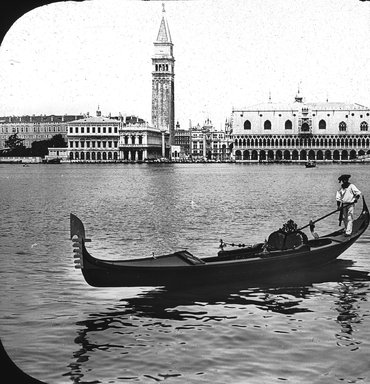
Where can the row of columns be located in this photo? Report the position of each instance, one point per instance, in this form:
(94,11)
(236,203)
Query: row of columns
(285,154)
(131,155)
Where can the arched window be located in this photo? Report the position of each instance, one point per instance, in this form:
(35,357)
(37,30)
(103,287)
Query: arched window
(327,155)
(364,126)
(267,124)
(342,126)
(305,127)
(288,124)
(247,124)
(322,124)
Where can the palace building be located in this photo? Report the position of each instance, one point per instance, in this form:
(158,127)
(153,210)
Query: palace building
(107,139)
(34,128)
(207,143)
(300,131)
(94,138)
(140,142)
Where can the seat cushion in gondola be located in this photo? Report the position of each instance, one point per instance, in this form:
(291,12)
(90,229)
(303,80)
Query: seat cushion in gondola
(189,258)
(281,240)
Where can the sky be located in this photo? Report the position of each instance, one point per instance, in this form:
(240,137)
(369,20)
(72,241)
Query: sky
(71,57)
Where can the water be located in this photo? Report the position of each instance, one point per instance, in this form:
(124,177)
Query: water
(56,328)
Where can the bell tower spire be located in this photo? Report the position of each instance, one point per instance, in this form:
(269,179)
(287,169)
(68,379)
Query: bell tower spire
(163,76)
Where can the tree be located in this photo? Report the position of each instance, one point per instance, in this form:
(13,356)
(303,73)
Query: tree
(40,148)
(58,141)
(14,146)
(13,142)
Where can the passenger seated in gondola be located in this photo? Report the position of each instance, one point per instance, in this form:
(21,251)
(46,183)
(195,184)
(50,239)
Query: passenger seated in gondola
(287,237)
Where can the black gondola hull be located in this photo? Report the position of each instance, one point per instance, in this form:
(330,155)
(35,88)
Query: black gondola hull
(232,271)
(183,269)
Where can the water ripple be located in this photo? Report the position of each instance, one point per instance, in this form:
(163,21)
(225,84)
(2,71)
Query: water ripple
(306,328)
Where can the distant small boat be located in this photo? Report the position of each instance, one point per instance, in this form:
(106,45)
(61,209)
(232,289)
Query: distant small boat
(52,161)
(311,164)
(283,252)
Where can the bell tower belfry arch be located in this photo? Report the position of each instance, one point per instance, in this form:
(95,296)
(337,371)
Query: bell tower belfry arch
(163,75)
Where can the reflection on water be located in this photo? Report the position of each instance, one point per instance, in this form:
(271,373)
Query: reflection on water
(128,327)
(348,306)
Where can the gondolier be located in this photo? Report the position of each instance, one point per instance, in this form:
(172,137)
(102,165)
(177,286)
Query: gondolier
(346,197)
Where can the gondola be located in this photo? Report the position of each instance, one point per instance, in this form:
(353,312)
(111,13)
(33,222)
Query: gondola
(286,250)
(310,164)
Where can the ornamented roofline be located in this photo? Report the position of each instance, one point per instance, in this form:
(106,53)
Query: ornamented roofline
(295,107)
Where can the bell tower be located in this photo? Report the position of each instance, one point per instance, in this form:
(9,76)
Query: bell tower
(163,75)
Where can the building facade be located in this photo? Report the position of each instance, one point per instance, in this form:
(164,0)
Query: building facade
(207,143)
(182,140)
(117,139)
(163,81)
(93,138)
(141,142)
(300,131)
(34,128)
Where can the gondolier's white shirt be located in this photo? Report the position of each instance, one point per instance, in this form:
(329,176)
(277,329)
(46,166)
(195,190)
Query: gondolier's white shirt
(347,195)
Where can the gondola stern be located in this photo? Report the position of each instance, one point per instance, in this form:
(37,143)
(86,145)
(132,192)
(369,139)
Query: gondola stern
(365,209)
(364,216)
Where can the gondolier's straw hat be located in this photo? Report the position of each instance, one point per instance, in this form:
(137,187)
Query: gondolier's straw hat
(343,178)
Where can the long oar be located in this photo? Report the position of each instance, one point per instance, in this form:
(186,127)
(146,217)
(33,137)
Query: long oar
(312,222)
